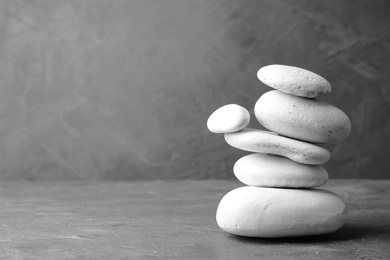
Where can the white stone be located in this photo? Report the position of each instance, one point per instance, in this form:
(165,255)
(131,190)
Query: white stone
(305,119)
(253,140)
(272,212)
(294,80)
(266,170)
(229,118)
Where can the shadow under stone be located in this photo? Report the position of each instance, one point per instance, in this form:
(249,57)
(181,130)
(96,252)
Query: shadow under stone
(347,232)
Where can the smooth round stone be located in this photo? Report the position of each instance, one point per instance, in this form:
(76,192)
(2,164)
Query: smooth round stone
(294,80)
(229,118)
(272,212)
(266,170)
(253,140)
(305,119)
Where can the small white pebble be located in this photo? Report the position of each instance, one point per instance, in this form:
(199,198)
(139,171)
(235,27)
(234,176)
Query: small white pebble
(227,119)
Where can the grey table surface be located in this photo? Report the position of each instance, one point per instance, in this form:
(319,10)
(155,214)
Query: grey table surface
(172,220)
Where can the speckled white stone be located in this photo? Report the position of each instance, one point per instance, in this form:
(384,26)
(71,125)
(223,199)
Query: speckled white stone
(294,80)
(266,170)
(259,141)
(305,119)
(229,118)
(272,212)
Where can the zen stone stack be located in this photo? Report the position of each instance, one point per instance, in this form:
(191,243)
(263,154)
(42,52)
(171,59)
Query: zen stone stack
(283,171)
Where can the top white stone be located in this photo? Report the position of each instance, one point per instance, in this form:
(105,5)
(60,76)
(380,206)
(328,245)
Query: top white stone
(294,80)
(227,119)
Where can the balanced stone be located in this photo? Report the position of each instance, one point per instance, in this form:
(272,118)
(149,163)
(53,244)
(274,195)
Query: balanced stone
(293,80)
(259,141)
(273,212)
(266,170)
(305,119)
(229,118)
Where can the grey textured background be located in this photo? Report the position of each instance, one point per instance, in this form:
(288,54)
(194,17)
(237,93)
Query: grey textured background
(99,89)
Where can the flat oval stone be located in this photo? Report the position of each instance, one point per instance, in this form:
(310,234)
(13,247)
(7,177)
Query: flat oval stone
(266,170)
(229,118)
(259,141)
(305,119)
(294,80)
(272,212)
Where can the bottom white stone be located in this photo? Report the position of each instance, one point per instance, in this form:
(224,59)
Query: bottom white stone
(273,212)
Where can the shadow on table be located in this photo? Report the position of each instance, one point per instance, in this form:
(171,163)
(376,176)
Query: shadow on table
(347,232)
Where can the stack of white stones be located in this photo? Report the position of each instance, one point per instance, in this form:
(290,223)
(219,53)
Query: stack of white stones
(282,172)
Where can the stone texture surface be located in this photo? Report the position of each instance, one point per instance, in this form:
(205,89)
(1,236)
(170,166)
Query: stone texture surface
(101,90)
